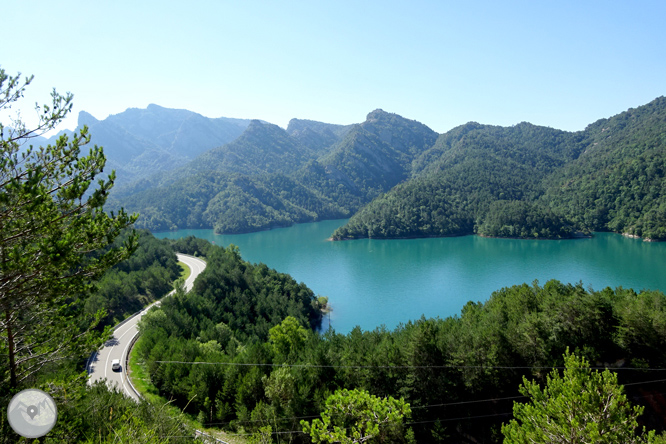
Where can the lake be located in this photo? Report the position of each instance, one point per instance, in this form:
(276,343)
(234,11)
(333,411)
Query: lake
(371,282)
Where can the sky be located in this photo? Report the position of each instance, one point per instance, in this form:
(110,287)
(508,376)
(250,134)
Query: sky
(560,64)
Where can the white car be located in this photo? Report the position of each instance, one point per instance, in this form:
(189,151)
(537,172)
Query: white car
(115,365)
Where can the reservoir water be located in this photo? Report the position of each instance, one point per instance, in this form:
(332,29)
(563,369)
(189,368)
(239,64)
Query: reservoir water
(372,282)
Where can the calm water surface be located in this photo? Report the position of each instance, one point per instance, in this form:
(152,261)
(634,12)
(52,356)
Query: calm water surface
(372,282)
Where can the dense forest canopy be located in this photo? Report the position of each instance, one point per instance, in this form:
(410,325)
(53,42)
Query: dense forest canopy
(267,367)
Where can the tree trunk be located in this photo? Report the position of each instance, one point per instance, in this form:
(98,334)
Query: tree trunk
(10,343)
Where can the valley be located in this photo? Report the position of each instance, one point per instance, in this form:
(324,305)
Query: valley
(402,223)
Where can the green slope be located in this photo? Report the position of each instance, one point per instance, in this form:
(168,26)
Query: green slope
(456,182)
(530,181)
(270,177)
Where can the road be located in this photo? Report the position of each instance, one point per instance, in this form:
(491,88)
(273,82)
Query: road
(99,365)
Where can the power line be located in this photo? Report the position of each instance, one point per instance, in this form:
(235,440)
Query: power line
(458,419)
(447,404)
(397,367)
(285,432)
(468,402)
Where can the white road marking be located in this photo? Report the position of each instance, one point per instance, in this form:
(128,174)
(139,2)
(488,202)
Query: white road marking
(196,266)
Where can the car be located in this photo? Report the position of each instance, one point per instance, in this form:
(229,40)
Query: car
(115,365)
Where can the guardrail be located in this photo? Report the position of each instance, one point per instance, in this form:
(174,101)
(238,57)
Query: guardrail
(115,327)
(197,433)
(127,358)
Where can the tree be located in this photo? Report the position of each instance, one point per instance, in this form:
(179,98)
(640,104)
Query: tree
(581,406)
(54,238)
(287,337)
(356,416)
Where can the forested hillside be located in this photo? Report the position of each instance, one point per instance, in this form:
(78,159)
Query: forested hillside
(528,181)
(132,284)
(270,177)
(456,182)
(460,375)
(619,181)
(398,178)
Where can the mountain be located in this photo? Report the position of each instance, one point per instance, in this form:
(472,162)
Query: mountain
(141,142)
(262,148)
(454,183)
(396,177)
(271,177)
(530,181)
(618,183)
(377,154)
(318,136)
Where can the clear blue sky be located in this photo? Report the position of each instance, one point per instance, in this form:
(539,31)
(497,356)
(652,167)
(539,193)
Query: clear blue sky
(562,64)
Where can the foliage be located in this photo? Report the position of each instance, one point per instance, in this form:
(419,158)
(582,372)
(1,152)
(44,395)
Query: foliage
(97,414)
(271,178)
(231,312)
(581,405)
(53,238)
(618,182)
(355,416)
(438,366)
(287,337)
(130,285)
(608,177)
(516,218)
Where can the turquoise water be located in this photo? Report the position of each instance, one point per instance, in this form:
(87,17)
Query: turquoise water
(372,282)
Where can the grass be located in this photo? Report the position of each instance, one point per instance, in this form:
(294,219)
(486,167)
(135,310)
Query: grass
(139,376)
(185,270)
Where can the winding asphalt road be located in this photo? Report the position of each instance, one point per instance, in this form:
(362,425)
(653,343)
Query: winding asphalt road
(118,347)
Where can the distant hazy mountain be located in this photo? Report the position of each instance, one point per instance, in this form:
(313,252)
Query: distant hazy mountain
(317,136)
(141,142)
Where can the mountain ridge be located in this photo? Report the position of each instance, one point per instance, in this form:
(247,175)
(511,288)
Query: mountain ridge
(398,178)
(140,142)
(531,182)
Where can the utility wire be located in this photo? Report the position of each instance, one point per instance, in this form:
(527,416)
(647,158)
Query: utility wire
(447,404)
(395,367)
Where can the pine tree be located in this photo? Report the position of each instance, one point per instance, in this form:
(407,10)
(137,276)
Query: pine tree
(54,238)
(580,406)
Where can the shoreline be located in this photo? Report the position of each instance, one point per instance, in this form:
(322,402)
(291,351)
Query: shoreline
(573,237)
(635,236)
(577,235)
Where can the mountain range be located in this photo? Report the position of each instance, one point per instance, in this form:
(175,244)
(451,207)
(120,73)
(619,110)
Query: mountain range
(396,178)
(141,142)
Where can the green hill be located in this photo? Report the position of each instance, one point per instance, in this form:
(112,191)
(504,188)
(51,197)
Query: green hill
(396,177)
(456,183)
(270,177)
(618,182)
(530,181)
